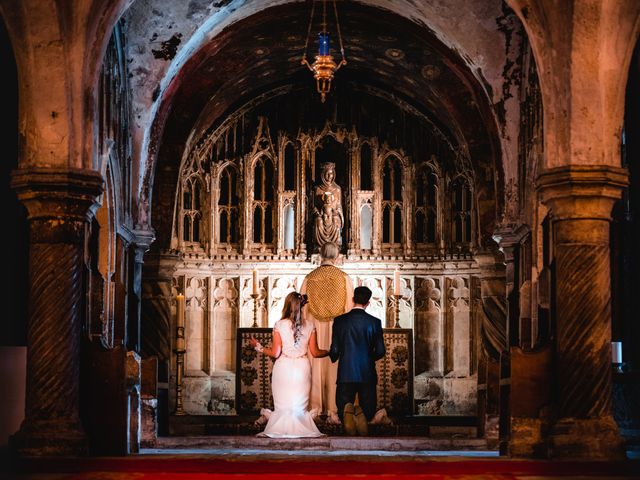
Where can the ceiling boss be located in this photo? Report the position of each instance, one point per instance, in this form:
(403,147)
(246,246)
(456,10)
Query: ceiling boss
(324,67)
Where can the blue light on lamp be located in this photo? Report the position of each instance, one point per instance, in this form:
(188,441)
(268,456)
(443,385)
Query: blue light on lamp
(323,43)
(324,66)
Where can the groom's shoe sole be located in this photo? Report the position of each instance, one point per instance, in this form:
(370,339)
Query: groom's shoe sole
(348,420)
(361,422)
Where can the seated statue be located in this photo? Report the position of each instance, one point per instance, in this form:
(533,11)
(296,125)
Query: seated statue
(327,211)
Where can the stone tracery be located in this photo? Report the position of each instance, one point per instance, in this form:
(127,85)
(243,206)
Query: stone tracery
(276,191)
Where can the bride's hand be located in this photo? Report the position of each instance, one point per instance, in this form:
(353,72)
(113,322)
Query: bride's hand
(257,346)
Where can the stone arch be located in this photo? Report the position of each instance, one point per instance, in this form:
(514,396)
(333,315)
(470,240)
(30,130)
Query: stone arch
(67,105)
(172,84)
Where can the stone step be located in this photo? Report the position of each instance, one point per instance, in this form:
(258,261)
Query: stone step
(417,426)
(329,443)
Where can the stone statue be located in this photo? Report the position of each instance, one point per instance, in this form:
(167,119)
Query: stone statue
(327,211)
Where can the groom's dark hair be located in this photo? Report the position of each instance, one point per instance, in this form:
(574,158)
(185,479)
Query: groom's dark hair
(361,295)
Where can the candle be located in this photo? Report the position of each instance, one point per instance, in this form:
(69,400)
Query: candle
(323,43)
(396,282)
(616,352)
(255,281)
(180,310)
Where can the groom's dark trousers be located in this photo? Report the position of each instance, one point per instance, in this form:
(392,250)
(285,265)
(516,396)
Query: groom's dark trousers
(357,342)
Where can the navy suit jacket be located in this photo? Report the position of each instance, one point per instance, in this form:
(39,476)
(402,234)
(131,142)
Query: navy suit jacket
(358,342)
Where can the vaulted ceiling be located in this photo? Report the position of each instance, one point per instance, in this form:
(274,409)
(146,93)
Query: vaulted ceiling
(383,50)
(412,64)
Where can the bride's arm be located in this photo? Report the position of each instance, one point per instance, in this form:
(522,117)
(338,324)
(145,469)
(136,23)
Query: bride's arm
(276,345)
(313,347)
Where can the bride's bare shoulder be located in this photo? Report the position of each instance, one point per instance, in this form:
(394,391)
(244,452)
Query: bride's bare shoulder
(282,323)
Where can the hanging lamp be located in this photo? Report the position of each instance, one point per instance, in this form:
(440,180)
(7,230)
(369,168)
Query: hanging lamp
(324,67)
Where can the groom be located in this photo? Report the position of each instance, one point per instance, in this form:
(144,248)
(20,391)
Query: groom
(358,342)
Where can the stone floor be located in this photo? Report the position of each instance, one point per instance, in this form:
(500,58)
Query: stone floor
(269,464)
(416,426)
(325,444)
(243,456)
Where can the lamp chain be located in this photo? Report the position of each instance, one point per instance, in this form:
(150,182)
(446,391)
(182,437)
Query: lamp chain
(306,42)
(335,12)
(324,15)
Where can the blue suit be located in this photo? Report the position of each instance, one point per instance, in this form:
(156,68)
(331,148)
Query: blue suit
(357,342)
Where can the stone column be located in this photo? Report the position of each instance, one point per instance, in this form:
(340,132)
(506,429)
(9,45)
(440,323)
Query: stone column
(492,313)
(142,240)
(581,199)
(156,316)
(58,202)
(509,239)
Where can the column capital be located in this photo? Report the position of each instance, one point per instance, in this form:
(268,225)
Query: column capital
(140,239)
(582,191)
(161,266)
(508,236)
(143,238)
(489,261)
(51,193)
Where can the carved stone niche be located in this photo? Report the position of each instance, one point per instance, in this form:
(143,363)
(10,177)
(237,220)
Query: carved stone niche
(444,383)
(197,332)
(276,196)
(429,332)
(247,302)
(225,314)
(406,302)
(457,327)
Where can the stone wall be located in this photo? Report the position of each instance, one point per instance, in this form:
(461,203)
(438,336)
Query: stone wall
(436,305)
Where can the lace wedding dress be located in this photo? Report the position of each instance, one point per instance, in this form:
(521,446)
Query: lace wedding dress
(290,385)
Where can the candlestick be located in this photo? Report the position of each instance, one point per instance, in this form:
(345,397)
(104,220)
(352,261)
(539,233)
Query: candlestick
(396,308)
(180,310)
(255,281)
(179,373)
(180,350)
(396,282)
(255,309)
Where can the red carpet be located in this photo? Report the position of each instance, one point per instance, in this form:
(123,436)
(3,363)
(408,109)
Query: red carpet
(256,466)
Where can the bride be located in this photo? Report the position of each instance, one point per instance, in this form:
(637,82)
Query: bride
(291,378)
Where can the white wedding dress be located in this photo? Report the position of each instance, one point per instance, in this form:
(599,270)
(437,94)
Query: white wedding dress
(290,385)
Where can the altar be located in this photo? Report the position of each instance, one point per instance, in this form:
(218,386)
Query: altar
(394,392)
(255,201)
(429,368)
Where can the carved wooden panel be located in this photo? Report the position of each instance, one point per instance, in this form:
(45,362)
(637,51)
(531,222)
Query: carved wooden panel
(253,373)
(395,372)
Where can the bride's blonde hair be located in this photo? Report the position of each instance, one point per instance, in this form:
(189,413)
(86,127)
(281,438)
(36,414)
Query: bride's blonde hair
(292,310)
